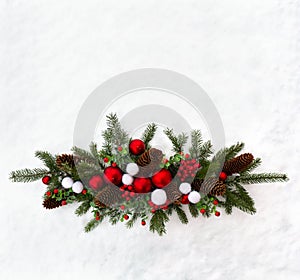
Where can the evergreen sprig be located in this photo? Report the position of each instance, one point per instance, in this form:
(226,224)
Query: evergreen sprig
(83,208)
(233,150)
(149,133)
(48,159)
(158,221)
(262,178)
(181,214)
(177,141)
(28,175)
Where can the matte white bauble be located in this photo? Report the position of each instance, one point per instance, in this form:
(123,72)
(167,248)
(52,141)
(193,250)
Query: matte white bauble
(67,182)
(194,197)
(185,188)
(127,179)
(132,168)
(159,197)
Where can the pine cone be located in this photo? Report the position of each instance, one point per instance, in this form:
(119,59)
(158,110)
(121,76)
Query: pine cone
(51,203)
(149,162)
(65,160)
(173,192)
(237,164)
(213,186)
(109,195)
(196,184)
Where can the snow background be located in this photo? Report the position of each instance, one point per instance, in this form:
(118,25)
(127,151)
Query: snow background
(245,54)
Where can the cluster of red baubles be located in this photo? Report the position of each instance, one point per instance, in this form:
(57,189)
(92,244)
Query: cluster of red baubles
(188,168)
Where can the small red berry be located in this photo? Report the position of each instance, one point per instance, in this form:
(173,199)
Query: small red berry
(165,207)
(143,223)
(84,191)
(122,207)
(48,193)
(114,164)
(202,211)
(64,202)
(217,213)
(130,188)
(97,218)
(126,217)
(187,156)
(153,210)
(106,160)
(185,199)
(120,149)
(132,194)
(55,191)
(223,176)
(215,202)
(46,180)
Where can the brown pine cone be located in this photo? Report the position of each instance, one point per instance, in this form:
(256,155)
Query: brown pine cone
(237,164)
(196,184)
(108,195)
(65,160)
(51,203)
(173,192)
(149,162)
(213,186)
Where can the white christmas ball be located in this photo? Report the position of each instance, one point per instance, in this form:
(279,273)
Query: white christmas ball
(194,197)
(185,188)
(159,197)
(127,179)
(67,182)
(77,187)
(132,168)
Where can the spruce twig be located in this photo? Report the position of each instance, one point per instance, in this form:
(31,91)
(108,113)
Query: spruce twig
(262,178)
(149,134)
(177,141)
(157,222)
(28,175)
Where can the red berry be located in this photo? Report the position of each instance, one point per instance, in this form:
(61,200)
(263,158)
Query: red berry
(122,207)
(223,176)
(153,210)
(55,191)
(217,213)
(106,160)
(97,218)
(187,156)
(127,198)
(202,211)
(215,202)
(64,202)
(120,149)
(84,191)
(143,223)
(137,147)
(130,188)
(46,180)
(165,207)
(162,178)
(126,217)
(185,199)
(132,194)
(96,182)
(48,193)
(114,164)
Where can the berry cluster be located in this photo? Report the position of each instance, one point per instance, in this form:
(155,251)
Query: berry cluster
(128,192)
(188,168)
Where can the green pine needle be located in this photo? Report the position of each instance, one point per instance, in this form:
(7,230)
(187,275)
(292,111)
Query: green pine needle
(149,134)
(28,175)
(157,222)
(262,178)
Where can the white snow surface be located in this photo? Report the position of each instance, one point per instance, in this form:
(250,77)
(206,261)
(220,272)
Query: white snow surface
(245,54)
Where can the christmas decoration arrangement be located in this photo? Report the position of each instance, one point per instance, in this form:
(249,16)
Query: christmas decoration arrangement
(127,180)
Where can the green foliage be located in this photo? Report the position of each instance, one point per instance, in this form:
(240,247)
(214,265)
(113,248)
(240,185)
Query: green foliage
(194,210)
(196,141)
(48,159)
(92,224)
(262,178)
(28,175)
(177,141)
(233,150)
(158,221)
(83,208)
(132,220)
(253,165)
(149,134)
(181,214)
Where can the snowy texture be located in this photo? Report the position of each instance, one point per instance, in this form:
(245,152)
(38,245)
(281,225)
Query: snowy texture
(245,54)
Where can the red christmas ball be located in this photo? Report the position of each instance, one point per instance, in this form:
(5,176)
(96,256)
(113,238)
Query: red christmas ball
(162,178)
(106,160)
(137,147)
(96,182)
(185,199)
(126,217)
(84,191)
(217,213)
(46,180)
(113,175)
(142,185)
(223,176)
(143,223)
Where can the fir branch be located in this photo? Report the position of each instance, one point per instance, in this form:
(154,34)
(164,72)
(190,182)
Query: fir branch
(177,141)
(132,220)
(48,159)
(114,216)
(262,178)
(253,165)
(83,208)
(194,210)
(83,154)
(205,151)
(28,175)
(149,134)
(92,224)
(232,151)
(196,142)
(181,214)
(157,222)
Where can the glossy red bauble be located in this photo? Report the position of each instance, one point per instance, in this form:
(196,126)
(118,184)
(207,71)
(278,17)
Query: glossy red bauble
(96,182)
(162,178)
(142,185)
(113,174)
(137,147)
